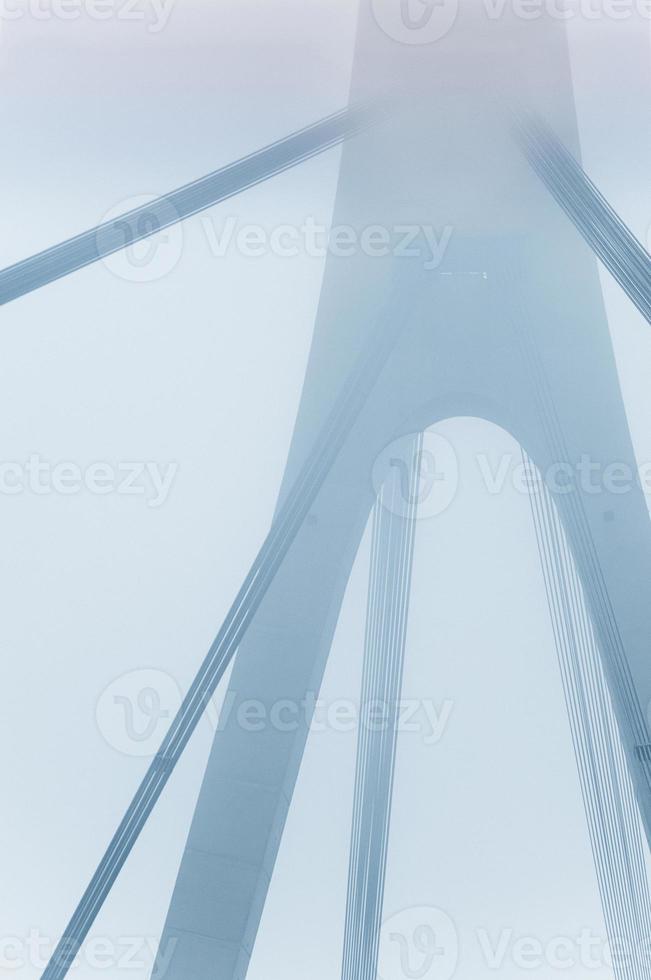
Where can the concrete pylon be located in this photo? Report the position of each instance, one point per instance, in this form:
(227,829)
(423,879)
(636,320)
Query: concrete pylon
(510,327)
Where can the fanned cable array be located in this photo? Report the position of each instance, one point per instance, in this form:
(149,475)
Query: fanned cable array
(610,805)
(143,222)
(579,532)
(585,625)
(602,228)
(392,549)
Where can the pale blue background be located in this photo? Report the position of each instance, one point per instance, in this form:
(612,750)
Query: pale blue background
(205,368)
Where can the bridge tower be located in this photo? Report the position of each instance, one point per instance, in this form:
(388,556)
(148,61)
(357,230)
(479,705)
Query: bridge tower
(510,327)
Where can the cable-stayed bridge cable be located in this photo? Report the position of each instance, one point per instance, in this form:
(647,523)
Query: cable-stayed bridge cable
(601,227)
(392,548)
(611,810)
(578,528)
(76,253)
(287,523)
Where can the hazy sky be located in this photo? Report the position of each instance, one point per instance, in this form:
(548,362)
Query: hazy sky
(99,369)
